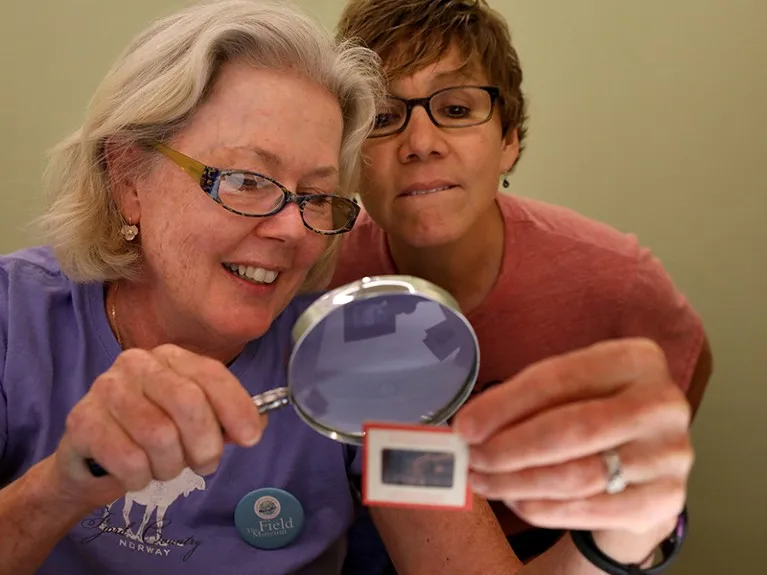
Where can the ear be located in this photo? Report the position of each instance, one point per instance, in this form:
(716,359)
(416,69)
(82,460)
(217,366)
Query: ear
(510,151)
(120,166)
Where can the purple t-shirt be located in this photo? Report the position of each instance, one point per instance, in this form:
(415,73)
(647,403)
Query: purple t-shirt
(55,340)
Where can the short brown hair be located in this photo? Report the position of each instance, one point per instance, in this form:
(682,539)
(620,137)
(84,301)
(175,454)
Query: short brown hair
(411,34)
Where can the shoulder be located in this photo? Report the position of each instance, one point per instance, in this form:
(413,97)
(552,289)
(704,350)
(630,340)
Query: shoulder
(602,265)
(557,255)
(30,277)
(38,259)
(31,264)
(559,251)
(34,292)
(563,227)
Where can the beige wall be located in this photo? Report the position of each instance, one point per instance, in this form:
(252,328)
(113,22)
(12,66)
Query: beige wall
(649,115)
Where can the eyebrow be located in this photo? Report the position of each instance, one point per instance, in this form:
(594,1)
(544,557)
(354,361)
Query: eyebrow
(273,161)
(462,73)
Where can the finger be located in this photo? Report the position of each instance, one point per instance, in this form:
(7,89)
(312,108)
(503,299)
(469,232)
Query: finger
(231,402)
(581,429)
(638,509)
(187,405)
(92,432)
(642,462)
(143,421)
(595,371)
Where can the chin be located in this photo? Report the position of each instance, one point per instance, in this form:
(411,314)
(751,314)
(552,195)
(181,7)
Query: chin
(244,325)
(430,234)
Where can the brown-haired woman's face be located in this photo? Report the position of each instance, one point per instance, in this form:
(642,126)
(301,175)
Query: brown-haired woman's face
(196,252)
(429,185)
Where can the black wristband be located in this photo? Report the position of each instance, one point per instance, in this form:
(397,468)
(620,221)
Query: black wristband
(584,542)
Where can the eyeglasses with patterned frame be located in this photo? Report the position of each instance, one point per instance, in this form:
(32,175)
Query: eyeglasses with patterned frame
(251,194)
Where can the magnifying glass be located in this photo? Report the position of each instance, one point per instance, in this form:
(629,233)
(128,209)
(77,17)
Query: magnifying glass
(385,348)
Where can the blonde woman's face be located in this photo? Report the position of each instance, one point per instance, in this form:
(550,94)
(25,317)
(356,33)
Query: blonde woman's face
(273,123)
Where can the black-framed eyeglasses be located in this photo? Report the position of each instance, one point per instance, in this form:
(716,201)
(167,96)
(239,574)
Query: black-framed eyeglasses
(255,195)
(453,107)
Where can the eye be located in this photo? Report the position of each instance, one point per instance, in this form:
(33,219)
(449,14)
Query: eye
(390,115)
(245,182)
(319,202)
(455,111)
(386,119)
(462,105)
(254,183)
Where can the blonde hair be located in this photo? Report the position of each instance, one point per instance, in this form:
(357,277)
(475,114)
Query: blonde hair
(156,86)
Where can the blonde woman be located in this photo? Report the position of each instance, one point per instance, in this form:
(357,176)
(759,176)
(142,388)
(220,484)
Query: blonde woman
(205,190)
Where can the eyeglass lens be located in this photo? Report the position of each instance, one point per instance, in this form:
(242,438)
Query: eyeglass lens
(453,107)
(254,195)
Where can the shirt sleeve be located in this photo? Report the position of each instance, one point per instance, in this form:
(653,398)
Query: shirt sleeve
(3,347)
(655,309)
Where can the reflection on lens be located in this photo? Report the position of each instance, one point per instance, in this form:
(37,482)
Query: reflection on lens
(397,358)
(248,193)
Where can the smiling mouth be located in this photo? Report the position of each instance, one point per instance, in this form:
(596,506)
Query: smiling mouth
(258,276)
(426,192)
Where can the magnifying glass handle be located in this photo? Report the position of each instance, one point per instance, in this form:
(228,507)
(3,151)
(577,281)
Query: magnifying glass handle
(266,402)
(272,399)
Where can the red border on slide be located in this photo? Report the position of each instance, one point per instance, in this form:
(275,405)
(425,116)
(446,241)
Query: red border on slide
(404,427)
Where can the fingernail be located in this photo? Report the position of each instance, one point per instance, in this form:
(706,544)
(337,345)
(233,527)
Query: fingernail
(476,459)
(253,437)
(255,430)
(477,484)
(466,429)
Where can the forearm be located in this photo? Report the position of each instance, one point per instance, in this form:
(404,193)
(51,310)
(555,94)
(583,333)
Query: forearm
(565,559)
(32,521)
(446,542)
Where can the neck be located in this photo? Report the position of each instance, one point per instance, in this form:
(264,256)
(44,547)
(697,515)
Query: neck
(141,321)
(467,267)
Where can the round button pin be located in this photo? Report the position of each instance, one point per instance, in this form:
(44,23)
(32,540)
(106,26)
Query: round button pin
(269,518)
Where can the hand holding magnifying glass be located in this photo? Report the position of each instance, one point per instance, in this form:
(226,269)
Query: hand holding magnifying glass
(389,348)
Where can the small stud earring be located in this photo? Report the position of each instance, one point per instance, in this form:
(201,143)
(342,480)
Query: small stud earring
(129,232)
(506,181)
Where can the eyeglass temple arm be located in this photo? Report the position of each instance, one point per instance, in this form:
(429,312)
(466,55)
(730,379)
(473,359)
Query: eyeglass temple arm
(190,166)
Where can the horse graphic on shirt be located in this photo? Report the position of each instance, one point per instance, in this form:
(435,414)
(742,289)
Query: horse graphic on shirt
(157,496)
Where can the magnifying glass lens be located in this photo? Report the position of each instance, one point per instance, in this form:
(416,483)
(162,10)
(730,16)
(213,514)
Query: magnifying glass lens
(394,357)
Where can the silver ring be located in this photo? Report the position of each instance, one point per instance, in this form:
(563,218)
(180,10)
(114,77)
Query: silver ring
(615,480)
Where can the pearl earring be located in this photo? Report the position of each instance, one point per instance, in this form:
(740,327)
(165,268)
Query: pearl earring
(129,232)
(506,181)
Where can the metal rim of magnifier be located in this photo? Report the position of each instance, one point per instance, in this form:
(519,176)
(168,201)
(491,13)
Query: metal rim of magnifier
(366,288)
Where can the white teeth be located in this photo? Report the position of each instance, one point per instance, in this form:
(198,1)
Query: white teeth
(431,191)
(256,275)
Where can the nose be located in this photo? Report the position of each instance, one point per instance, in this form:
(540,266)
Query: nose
(286,225)
(422,139)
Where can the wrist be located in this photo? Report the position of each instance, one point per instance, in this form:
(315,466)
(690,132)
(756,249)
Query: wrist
(45,488)
(630,547)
